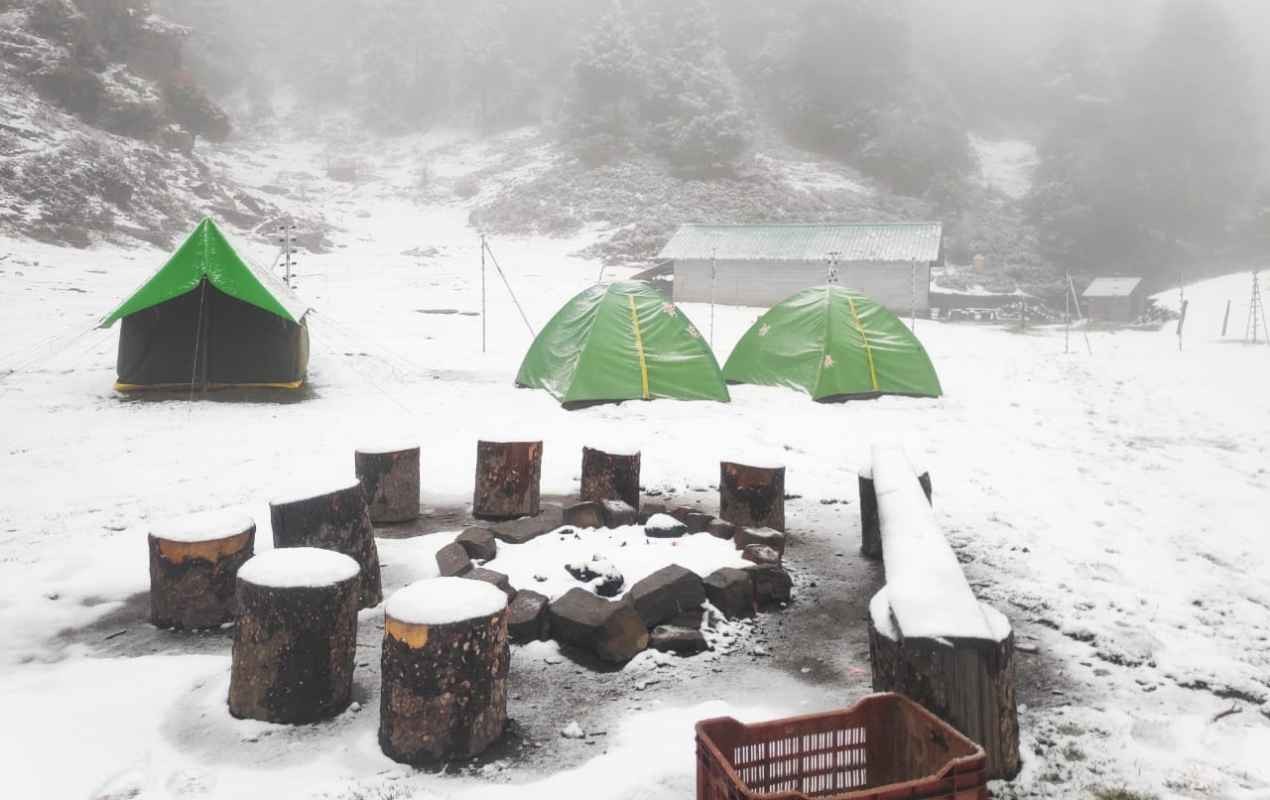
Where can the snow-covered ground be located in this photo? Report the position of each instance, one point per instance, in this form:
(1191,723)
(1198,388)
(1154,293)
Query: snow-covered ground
(1113,505)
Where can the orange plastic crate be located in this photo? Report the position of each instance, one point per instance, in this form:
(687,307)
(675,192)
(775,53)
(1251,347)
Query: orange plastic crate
(885,747)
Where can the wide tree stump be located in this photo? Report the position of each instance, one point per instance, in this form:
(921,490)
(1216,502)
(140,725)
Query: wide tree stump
(752,497)
(193,564)
(445,664)
(508,475)
(390,479)
(968,683)
(870,523)
(296,636)
(610,476)
(333,518)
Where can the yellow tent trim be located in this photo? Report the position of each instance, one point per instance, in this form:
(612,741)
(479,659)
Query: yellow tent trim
(868,351)
(168,387)
(639,346)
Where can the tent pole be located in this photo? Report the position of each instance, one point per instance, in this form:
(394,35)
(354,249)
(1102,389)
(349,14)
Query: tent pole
(482,293)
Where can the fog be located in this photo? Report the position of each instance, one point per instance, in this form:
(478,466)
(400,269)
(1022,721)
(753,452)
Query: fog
(1147,117)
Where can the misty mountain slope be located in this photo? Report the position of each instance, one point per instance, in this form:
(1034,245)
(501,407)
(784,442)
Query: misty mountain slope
(91,147)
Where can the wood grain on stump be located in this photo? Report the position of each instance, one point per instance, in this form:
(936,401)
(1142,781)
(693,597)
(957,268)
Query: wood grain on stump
(968,683)
(870,523)
(193,565)
(390,481)
(610,476)
(508,476)
(444,692)
(296,636)
(752,497)
(333,520)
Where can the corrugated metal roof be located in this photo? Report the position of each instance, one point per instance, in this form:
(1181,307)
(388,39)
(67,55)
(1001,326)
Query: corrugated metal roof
(1111,287)
(911,241)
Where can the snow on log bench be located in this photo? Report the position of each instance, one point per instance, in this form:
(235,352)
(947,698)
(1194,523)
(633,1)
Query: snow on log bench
(508,478)
(332,516)
(752,496)
(296,635)
(610,476)
(929,637)
(193,563)
(445,664)
(870,532)
(389,474)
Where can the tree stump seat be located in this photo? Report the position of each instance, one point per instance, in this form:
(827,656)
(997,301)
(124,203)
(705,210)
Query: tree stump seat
(444,670)
(752,496)
(296,636)
(610,476)
(194,561)
(508,480)
(332,516)
(870,529)
(389,474)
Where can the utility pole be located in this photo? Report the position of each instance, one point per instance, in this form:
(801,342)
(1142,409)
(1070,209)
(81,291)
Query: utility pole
(1067,318)
(831,259)
(286,237)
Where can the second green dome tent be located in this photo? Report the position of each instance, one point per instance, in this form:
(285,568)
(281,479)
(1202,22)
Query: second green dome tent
(834,343)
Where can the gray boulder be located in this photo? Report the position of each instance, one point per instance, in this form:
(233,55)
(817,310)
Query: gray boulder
(698,522)
(731,590)
(674,639)
(766,536)
(760,554)
(664,526)
(493,577)
(453,560)
(479,543)
(612,630)
(587,514)
(668,591)
(525,529)
(618,513)
(527,617)
(772,585)
(721,529)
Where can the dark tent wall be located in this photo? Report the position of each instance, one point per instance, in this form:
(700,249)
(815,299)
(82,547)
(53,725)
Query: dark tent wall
(210,339)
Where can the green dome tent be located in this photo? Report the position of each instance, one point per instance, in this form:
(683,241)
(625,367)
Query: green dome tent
(835,344)
(619,342)
(208,318)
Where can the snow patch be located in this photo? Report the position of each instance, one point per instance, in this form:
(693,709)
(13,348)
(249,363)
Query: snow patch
(203,526)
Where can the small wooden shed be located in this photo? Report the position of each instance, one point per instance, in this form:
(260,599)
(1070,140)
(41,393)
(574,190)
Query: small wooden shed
(761,265)
(1119,299)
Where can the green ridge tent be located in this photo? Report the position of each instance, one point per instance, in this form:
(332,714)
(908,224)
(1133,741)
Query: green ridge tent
(207,318)
(835,344)
(623,341)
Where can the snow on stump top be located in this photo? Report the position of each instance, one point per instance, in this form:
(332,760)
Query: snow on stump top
(202,526)
(295,567)
(928,593)
(386,445)
(308,490)
(444,601)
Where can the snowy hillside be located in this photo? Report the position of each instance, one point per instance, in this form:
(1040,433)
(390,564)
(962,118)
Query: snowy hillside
(1112,505)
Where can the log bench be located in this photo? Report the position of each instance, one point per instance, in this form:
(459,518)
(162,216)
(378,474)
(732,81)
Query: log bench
(929,637)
